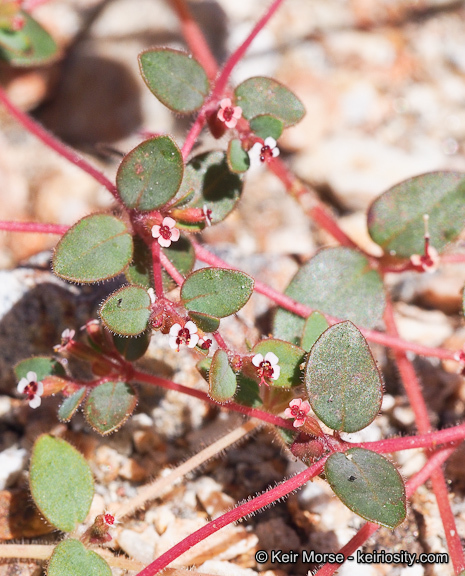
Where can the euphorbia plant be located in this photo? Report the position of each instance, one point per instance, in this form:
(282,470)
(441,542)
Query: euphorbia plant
(314,379)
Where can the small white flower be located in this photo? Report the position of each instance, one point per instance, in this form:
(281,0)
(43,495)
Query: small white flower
(151,294)
(208,215)
(228,113)
(186,335)
(268,367)
(32,389)
(166,233)
(66,336)
(261,153)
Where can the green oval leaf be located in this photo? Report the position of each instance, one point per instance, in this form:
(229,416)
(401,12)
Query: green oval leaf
(369,485)
(109,405)
(30,46)
(395,219)
(71,404)
(314,327)
(290,359)
(150,174)
(205,322)
(248,391)
(127,311)
(61,482)
(71,557)
(96,248)
(338,282)
(176,79)
(209,183)
(132,348)
(237,157)
(257,96)
(344,385)
(266,125)
(43,366)
(221,378)
(139,270)
(216,291)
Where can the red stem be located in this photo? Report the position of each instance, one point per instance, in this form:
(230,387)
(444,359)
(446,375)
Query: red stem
(157,277)
(233,515)
(304,311)
(413,391)
(38,227)
(195,39)
(52,142)
(139,376)
(171,269)
(236,56)
(370,528)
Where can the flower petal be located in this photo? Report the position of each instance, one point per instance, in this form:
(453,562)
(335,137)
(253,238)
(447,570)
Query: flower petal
(237,112)
(257,360)
(225,103)
(231,123)
(167,221)
(22,385)
(156,231)
(298,423)
(275,152)
(175,233)
(40,389)
(288,413)
(35,402)
(174,330)
(173,342)
(194,338)
(191,327)
(296,402)
(305,407)
(165,242)
(271,142)
(271,358)
(276,372)
(31,376)
(220,115)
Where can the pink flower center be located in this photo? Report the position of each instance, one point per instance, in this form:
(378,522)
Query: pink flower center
(265,370)
(183,337)
(165,232)
(297,413)
(31,390)
(109,519)
(265,153)
(228,113)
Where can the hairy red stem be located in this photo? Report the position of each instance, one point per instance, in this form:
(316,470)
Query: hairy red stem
(52,142)
(415,396)
(195,39)
(38,227)
(157,277)
(304,311)
(139,376)
(233,515)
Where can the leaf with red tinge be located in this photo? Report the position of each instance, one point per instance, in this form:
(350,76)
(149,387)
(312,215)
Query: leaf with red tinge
(109,405)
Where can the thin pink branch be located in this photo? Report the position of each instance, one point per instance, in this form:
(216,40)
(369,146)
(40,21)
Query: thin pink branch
(413,390)
(157,277)
(195,39)
(233,515)
(139,376)
(52,142)
(304,311)
(236,56)
(171,269)
(35,227)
